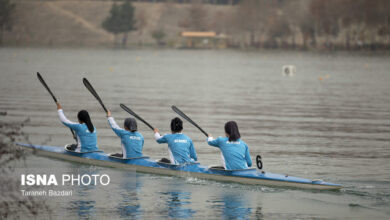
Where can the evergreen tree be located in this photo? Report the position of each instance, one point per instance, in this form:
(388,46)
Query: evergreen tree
(111,23)
(120,20)
(6,9)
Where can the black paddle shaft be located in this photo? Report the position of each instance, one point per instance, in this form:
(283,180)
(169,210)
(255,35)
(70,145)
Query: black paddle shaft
(128,110)
(179,112)
(46,86)
(94,93)
(52,95)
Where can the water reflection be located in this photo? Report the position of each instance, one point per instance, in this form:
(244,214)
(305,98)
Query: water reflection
(130,203)
(177,203)
(234,206)
(83,207)
(259,213)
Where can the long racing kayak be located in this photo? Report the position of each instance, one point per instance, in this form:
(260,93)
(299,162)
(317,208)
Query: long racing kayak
(250,176)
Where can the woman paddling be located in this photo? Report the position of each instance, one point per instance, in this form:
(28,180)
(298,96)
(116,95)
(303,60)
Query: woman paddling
(235,152)
(180,146)
(85,131)
(132,141)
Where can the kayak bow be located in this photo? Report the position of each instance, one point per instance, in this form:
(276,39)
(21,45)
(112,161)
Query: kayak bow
(145,165)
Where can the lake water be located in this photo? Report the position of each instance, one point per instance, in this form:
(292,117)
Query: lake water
(331,120)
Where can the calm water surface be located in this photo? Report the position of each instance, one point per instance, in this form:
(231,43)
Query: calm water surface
(337,128)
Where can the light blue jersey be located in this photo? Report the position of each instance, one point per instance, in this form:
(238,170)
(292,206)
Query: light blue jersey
(235,154)
(87,141)
(132,142)
(180,147)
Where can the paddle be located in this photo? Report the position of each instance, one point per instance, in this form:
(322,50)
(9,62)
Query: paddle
(46,86)
(179,112)
(52,95)
(124,107)
(94,93)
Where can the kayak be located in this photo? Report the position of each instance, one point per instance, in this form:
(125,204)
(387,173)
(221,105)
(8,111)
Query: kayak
(251,176)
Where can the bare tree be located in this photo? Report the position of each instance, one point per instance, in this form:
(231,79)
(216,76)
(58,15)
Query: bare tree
(197,17)
(249,19)
(6,11)
(142,22)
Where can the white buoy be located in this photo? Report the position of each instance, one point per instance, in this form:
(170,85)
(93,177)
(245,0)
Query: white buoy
(289,70)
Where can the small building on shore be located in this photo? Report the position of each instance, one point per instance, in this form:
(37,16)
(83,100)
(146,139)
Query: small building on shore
(202,40)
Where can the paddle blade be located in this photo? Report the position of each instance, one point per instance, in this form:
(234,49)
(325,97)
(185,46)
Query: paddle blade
(128,110)
(179,112)
(94,93)
(46,86)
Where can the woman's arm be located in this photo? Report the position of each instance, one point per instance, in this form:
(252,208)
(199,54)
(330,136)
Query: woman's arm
(192,151)
(114,126)
(64,120)
(160,139)
(248,156)
(213,142)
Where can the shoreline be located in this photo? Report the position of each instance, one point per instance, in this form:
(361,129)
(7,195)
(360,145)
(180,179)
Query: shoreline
(250,50)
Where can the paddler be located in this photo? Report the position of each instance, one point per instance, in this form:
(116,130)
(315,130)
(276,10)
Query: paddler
(132,141)
(234,151)
(180,146)
(85,131)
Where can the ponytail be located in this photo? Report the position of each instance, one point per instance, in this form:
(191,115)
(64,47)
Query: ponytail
(231,129)
(176,125)
(83,116)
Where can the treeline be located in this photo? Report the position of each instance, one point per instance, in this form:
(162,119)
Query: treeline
(217,2)
(323,24)
(295,24)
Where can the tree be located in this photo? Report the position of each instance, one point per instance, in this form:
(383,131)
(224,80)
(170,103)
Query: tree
(111,23)
(326,15)
(294,14)
(307,28)
(6,9)
(278,30)
(196,18)
(253,17)
(120,20)
(159,35)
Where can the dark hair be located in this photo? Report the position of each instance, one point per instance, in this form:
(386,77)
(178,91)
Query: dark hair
(83,116)
(131,124)
(176,125)
(231,129)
